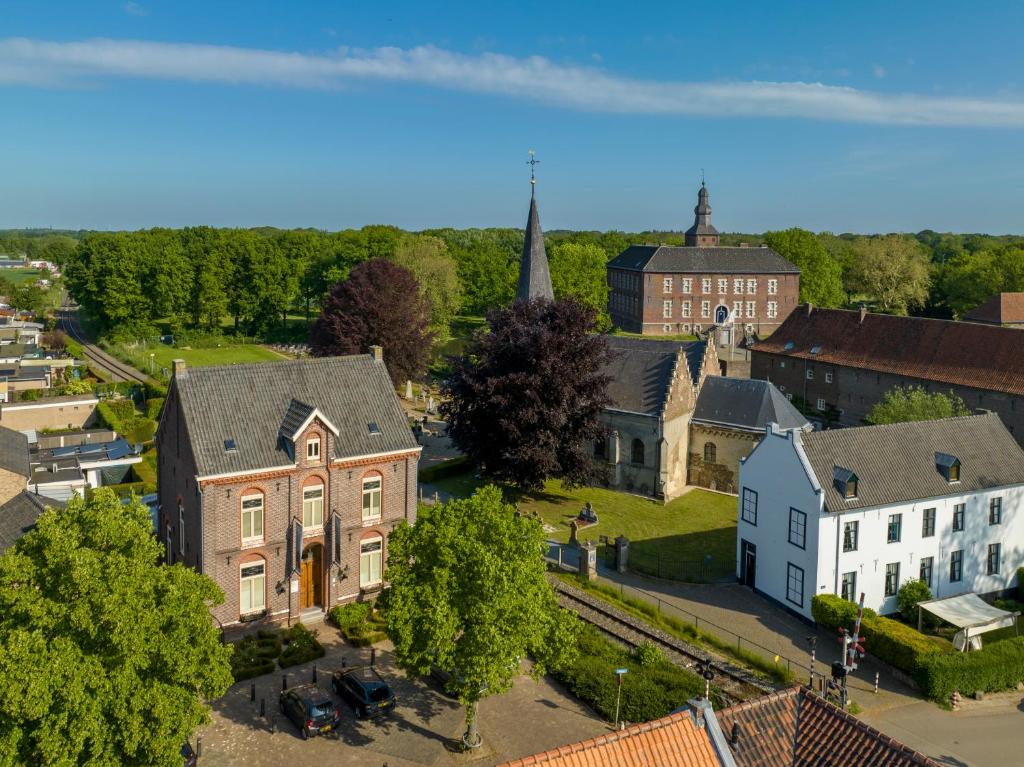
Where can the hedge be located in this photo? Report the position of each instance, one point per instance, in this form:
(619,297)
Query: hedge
(449,468)
(302,646)
(997,666)
(891,641)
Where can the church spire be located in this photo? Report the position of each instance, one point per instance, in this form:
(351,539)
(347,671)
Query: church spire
(534,275)
(702,233)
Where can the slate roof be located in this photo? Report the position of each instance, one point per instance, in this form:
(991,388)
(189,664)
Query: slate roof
(797,728)
(641,371)
(716,260)
(945,351)
(14,452)
(895,463)
(673,741)
(248,403)
(745,403)
(19,515)
(1001,309)
(294,417)
(534,275)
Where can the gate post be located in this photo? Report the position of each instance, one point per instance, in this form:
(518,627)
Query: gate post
(622,553)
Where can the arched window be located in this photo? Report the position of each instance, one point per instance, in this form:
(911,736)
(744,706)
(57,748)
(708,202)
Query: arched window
(710,452)
(252,587)
(638,451)
(371,561)
(313,506)
(252,517)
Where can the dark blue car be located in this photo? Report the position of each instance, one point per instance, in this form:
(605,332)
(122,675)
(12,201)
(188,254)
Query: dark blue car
(364,690)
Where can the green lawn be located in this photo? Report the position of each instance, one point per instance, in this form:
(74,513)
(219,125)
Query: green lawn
(164,355)
(676,337)
(20,276)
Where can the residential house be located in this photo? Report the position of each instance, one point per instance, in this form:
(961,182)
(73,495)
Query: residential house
(15,468)
(668,290)
(282,481)
(83,460)
(20,514)
(840,363)
(66,412)
(1006,309)
(866,509)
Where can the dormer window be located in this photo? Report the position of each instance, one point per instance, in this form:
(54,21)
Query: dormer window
(313,449)
(948,466)
(845,482)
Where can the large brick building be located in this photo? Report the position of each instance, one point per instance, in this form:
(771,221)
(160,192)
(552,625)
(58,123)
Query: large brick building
(281,481)
(840,363)
(667,290)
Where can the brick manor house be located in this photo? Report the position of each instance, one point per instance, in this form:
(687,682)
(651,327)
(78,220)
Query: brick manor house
(668,290)
(281,481)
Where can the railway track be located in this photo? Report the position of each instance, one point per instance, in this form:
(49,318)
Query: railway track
(117,370)
(734,684)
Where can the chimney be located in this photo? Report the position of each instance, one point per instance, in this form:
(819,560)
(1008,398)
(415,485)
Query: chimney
(179,367)
(863,313)
(810,307)
(377,352)
(734,736)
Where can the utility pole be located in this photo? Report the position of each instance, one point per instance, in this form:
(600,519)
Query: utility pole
(813,641)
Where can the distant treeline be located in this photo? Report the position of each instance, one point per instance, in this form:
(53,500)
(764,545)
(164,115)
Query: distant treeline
(194,278)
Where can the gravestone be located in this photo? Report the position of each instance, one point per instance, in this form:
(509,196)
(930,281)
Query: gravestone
(574,529)
(408,389)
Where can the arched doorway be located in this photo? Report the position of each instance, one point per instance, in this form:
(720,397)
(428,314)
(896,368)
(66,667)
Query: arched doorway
(721,314)
(311,579)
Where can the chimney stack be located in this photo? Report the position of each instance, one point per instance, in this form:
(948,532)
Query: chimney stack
(179,367)
(863,313)
(377,352)
(734,736)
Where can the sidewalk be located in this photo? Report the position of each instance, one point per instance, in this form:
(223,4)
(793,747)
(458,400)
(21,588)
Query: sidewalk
(734,613)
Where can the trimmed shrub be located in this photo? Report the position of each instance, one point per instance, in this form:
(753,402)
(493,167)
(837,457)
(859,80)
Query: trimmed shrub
(255,655)
(349,616)
(301,646)
(997,666)
(910,595)
(444,469)
(153,407)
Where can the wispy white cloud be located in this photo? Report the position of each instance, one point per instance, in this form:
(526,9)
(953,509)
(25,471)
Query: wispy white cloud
(878,71)
(535,78)
(134,9)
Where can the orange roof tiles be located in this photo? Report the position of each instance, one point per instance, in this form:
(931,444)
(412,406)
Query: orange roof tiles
(673,741)
(959,353)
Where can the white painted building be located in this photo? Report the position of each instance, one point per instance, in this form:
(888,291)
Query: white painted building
(866,509)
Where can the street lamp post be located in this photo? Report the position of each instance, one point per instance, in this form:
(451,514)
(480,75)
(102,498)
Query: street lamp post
(619,673)
(151,356)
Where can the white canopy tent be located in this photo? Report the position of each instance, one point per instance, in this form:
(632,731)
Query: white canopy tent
(971,614)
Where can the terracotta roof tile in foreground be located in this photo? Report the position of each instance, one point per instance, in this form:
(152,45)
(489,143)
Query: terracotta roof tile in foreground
(673,741)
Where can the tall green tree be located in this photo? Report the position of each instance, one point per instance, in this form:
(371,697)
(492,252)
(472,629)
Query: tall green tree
(969,279)
(469,595)
(106,656)
(913,403)
(437,274)
(579,271)
(821,276)
(893,271)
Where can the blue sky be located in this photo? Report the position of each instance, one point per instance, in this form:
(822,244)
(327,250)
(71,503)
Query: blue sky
(863,116)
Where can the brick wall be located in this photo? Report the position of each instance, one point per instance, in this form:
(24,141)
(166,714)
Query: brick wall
(730,445)
(43,415)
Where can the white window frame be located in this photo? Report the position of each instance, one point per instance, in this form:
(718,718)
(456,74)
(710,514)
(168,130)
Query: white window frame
(315,504)
(751,309)
(894,582)
(705,309)
(247,588)
(371,563)
(705,285)
(737,310)
(751,287)
(723,286)
(373,495)
(666,309)
(737,286)
(666,285)
(773,287)
(828,376)
(313,449)
(821,404)
(252,538)
(809,374)
(686,309)
(773,310)
(687,284)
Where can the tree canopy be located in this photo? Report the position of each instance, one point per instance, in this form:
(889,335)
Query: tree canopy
(893,270)
(106,656)
(821,276)
(380,303)
(524,401)
(579,271)
(913,403)
(469,595)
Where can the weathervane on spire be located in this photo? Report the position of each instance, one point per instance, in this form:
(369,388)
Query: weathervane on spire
(702,177)
(533,162)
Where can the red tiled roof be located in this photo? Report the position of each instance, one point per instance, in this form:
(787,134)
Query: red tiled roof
(945,351)
(1000,309)
(673,741)
(797,728)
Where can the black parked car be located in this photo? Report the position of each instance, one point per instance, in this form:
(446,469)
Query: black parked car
(310,709)
(364,690)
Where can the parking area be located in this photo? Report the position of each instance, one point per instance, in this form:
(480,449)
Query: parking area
(422,730)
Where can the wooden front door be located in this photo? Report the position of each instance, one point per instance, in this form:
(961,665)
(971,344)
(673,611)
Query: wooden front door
(311,577)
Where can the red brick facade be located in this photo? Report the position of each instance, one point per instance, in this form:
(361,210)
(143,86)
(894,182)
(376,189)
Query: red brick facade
(663,303)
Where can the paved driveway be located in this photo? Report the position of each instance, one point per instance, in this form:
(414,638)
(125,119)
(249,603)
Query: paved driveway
(533,716)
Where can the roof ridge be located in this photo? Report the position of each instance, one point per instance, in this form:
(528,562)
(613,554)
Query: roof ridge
(902,424)
(819,309)
(296,362)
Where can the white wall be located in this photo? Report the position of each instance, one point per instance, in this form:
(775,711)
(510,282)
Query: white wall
(775,471)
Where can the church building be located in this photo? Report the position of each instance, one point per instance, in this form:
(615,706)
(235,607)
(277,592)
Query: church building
(670,290)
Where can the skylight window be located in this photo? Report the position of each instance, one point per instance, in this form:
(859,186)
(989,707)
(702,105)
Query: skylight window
(373,428)
(788,347)
(230,446)
(815,350)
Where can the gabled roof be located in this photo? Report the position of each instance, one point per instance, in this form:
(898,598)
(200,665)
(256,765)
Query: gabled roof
(1004,308)
(298,417)
(14,452)
(641,371)
(19,515)
(249,403)
(797,728)
(959,353)
(673,741)
(895,463)
(745,403)
(534,276)
(690,260)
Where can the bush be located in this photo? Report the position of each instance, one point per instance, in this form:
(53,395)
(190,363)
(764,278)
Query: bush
(444,469)
(910,594)
(121,416)
(254,655)
(349,616)
(995,667)
(153,407)
(302,646)
(886,639)
(647,654)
